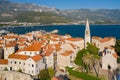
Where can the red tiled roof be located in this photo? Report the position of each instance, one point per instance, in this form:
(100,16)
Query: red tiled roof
(12,44)
(34,47)
(37,58)
(106,39)
(25,57)
(67,53)
(95,37)
(3,61)
(57,47)
(115,55)
(74,39)
(49,51)
(18,56)
(10,37)
(74,46)
(29,34)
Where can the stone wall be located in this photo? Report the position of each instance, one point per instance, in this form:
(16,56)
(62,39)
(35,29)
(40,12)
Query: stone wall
(9,75)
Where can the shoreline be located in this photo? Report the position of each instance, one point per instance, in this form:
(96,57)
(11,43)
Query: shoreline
(53,25)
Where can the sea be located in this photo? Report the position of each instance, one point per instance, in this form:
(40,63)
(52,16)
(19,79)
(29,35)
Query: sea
(73,30)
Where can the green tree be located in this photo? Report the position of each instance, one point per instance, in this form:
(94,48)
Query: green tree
(78,60)
(43,75)
(51,72)
(93,50)
(117,47)
(88,60)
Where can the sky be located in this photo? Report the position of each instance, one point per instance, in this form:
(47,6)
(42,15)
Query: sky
(75,4)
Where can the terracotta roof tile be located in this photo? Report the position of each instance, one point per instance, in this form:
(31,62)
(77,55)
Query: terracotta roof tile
(74,46)
(115,55)
(10,37)
(106,39)
(18,56)
(58,47)
(95,37)
(34,47)
(3,61)
(49,51)
(12,44)
(74,39)
(37,58)
(29,34)
(67,53)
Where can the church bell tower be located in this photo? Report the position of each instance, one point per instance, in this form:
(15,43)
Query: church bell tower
(87,34)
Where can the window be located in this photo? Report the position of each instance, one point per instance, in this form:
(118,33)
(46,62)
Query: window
(28,64)
(35,53)
(11,62)
(15,62)
(30,52)
(19,62)
(23,63)
(25,53)
(32,65)
(108,52)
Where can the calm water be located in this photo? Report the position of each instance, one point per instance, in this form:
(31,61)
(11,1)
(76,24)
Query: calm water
(73,30)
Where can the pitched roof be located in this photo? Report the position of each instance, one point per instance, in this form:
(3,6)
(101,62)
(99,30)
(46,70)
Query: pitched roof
(67,53)
(12,44)
(115,55)
(49,51)
(29,34)
(106,39)
(18,56)
(34,47)
(95,37)
(74,39)
(37,58)
(74,46)
(10,37)
(57,46)
(3,61)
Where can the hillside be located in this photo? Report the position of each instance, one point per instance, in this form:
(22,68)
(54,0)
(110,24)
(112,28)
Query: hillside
(97,16)
(35,17)
(40,17)
(24,12)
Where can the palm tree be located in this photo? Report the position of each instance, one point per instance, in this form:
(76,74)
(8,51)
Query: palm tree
(93,50)
(88,60)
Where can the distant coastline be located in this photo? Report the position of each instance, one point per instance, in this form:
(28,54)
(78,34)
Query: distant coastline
(53,25)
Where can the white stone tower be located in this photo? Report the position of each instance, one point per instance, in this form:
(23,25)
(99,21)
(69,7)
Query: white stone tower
(87,34)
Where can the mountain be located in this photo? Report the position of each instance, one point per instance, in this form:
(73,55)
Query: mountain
(7,6)
(97,16)
(30,13)
(11,11)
